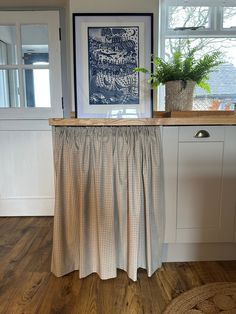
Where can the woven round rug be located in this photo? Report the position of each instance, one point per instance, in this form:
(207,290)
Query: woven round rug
(219,297)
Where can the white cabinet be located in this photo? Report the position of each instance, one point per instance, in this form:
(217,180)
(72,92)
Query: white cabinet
(200,184)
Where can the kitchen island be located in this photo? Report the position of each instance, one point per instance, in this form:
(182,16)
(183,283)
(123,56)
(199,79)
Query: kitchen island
(199,168)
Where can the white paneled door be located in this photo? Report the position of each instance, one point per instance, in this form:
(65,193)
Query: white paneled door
(26,182)
(30,84)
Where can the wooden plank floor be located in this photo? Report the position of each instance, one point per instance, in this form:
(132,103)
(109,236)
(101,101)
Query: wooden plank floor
(27,286)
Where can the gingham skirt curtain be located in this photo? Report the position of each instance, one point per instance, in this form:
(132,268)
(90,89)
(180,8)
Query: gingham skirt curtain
(109,200)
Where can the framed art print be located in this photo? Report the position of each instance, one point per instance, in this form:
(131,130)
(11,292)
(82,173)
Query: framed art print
(107,47)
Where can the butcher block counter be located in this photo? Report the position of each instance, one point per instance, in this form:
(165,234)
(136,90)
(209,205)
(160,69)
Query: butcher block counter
(159,118)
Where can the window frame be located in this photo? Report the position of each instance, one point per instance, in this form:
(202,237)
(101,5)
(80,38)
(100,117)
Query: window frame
(51,18)
(215,29)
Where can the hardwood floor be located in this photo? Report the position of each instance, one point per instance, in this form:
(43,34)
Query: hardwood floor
(27,286)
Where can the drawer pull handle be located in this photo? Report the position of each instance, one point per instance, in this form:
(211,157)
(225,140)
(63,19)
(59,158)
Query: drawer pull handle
(202,134)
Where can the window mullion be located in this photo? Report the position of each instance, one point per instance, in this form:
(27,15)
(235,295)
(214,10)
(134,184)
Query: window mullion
(213,19)
(163,28)
(35,66)
(195,34)
(218,19)
(19,62)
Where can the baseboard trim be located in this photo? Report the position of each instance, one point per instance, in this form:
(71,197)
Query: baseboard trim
(27,207)
(26,212)
(187,252)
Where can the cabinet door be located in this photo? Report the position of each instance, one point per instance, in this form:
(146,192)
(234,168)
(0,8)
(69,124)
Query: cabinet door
(199,191)
(203,211)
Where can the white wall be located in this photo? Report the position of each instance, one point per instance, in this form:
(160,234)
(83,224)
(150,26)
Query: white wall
(32,3)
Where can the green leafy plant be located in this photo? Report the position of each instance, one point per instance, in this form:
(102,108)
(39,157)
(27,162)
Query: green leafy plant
(184,68)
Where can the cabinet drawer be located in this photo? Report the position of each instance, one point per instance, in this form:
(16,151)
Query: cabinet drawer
(188,133)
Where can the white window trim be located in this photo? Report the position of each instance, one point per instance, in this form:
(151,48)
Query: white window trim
(37,17)
(215,30)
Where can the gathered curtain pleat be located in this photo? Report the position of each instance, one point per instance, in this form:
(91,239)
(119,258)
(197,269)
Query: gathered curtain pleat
(109,210)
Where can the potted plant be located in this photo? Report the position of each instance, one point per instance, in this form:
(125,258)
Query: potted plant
(180,75)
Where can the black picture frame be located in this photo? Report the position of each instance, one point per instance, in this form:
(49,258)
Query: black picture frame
(107,47)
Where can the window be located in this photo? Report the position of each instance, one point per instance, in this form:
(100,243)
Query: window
(208,25)
(30,78)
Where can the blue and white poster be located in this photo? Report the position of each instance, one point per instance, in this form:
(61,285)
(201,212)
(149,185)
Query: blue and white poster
(107,48)
(112,56)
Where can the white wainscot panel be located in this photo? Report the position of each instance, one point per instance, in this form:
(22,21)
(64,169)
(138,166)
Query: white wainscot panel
(26,173)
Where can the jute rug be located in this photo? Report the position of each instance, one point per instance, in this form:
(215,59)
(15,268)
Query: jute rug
(217,297)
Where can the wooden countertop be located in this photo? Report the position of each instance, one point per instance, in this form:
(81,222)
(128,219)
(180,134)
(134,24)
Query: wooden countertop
(160,118)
